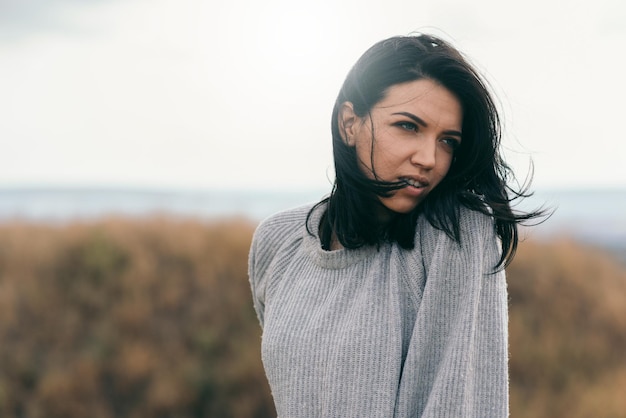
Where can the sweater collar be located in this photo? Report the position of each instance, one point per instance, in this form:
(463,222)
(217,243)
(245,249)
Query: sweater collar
(335,259)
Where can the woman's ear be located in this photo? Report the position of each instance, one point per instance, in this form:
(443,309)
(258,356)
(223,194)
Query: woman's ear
(347,123)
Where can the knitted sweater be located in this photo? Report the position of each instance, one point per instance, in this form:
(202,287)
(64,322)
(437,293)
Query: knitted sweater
(382,332)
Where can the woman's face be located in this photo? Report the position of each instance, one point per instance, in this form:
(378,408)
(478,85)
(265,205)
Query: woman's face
(415,129)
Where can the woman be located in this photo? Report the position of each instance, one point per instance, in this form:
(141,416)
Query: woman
(388,298)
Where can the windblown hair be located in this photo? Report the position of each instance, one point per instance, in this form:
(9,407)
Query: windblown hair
(478,177)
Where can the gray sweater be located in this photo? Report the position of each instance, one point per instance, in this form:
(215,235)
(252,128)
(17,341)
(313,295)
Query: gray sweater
(382,332)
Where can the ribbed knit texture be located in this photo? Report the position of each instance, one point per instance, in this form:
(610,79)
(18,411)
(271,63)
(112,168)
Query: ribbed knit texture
(382,332)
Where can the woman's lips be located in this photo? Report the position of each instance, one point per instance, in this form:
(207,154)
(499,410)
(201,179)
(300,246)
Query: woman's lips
(417,182)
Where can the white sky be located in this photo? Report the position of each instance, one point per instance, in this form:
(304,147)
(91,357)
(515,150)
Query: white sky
(204,94)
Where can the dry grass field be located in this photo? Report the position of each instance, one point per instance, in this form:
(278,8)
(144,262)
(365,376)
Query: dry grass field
(152,318)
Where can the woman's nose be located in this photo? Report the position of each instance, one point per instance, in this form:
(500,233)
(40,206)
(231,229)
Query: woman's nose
(424,154)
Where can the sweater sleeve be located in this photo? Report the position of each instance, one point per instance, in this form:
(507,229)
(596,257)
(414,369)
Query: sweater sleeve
(266,242)
(274,237)
(255,275)
(460,339)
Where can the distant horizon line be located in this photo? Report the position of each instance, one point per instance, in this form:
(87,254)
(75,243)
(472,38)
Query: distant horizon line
(4,188)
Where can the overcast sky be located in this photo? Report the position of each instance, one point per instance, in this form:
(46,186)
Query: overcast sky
(204,94)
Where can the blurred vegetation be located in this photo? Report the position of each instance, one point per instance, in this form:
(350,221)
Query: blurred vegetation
(120,318)
(153,318)
(567,332)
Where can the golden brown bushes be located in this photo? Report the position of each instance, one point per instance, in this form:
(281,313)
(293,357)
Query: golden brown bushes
(153,318)
(568,332)
(124,318)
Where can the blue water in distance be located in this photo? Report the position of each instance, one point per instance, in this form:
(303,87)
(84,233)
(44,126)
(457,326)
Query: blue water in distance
(595,216)
(76,203)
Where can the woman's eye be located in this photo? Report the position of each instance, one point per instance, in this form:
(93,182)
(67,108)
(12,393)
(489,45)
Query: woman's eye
(408,126)
(452,143)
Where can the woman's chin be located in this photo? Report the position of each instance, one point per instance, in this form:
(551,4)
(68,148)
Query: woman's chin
(393,206)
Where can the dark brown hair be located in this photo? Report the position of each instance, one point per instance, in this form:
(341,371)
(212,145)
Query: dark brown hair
(478,177)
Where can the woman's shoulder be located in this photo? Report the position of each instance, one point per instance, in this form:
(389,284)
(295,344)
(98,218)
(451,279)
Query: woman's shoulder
(278,234)
(477,246)
(474,222)
(284,222)
(280,228)
(470,221)
(476,232)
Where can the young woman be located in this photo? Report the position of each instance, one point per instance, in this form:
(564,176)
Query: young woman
(388,298)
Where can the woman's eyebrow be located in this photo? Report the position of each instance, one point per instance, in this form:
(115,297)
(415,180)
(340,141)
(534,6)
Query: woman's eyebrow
(412,116)
(419,121)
